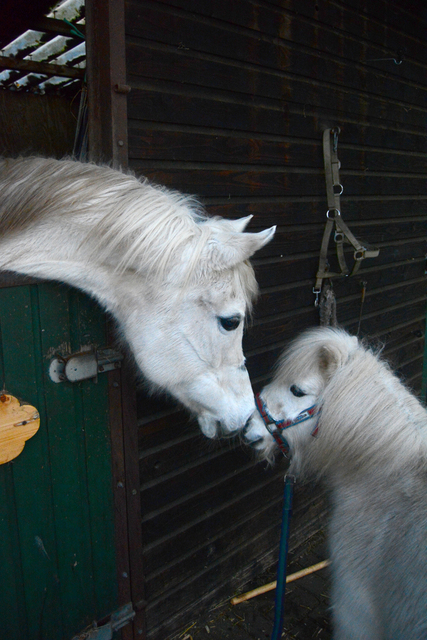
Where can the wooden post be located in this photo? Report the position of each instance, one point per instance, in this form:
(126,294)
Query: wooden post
(108,142)
(106,75)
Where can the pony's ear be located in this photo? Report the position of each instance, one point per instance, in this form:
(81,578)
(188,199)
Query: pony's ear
(335,354)
(225,250)
(330,359)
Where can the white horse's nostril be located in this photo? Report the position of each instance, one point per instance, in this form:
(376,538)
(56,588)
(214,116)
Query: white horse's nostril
(223,432)
(247,425)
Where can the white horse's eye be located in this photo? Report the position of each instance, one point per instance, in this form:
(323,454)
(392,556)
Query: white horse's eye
(299,393)
(231,323)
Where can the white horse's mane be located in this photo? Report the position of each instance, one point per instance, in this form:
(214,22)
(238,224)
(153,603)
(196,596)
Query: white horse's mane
(367,416)
(139,226)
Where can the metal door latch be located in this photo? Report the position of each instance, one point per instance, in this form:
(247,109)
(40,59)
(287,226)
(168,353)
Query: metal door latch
(118,619)
(84,365)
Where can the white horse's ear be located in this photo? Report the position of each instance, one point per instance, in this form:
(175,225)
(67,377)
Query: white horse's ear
(226,250)
(240,225)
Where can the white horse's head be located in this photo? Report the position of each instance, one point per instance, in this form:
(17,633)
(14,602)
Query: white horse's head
(301,375)
(186,333)
(178,282)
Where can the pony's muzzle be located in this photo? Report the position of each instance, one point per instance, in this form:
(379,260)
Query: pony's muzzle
(249,435)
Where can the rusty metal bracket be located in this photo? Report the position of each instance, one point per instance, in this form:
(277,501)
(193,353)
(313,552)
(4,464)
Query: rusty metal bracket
(118,620)
(122,88)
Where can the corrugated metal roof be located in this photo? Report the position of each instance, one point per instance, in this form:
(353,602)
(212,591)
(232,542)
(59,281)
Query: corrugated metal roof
(49,57)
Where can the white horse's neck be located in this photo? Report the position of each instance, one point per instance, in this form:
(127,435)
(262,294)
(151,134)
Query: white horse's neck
(51,255)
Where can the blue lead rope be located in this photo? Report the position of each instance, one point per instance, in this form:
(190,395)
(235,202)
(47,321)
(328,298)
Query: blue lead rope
(283,556)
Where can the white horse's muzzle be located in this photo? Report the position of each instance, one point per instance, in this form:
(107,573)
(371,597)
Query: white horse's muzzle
(213,427)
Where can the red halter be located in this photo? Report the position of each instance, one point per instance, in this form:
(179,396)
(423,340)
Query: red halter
(281,425)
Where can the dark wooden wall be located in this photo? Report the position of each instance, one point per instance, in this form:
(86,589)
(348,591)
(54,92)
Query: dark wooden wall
(229,101)
(38,124)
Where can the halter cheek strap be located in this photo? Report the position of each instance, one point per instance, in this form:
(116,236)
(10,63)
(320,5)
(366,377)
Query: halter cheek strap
(276,427)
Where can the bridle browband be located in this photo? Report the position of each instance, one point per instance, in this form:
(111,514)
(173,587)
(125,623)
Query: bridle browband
(276,427)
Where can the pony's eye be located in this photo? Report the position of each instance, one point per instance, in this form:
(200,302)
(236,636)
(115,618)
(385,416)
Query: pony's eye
(230,324)
(299,393)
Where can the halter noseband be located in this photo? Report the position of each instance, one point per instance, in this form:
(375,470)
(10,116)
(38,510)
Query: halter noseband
(276,427)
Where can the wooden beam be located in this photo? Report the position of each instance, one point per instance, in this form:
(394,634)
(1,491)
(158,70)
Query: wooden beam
(44,68)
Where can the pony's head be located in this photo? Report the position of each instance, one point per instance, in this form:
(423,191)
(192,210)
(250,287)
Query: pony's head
(302,373)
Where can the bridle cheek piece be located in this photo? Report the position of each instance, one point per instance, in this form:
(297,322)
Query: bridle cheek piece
(276,427)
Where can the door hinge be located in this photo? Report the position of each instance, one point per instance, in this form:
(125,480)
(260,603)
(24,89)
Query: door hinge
(84,365)
(118,619)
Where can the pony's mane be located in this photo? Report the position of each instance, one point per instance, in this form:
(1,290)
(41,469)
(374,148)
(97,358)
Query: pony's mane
(135,225)
(298,358)
(367,416)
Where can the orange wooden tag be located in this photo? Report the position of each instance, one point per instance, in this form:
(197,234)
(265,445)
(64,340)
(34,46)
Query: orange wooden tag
(18,423)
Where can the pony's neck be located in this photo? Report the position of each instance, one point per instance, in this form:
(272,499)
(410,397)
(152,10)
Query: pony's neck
(370,423)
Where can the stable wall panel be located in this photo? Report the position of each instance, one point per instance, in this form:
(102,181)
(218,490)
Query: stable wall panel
(229,101)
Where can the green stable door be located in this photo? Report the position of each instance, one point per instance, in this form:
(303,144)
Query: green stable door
(57,552)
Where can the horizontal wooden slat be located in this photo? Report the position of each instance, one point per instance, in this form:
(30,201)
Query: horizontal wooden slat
(154,141)
(186,481)
(408,352)
(379,323)
(180,65)
(303,266)
(399,335)
(204,547)
(241,477)
(411,370)
(271,329)
(189,105)
(287,301)
(212,524)
(229,181)
(303,209)
(44,68)
(179,452)
(268,46)
(341,21)
(225,579)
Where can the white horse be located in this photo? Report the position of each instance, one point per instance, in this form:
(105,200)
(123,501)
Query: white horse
(346,418)
(178,282)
